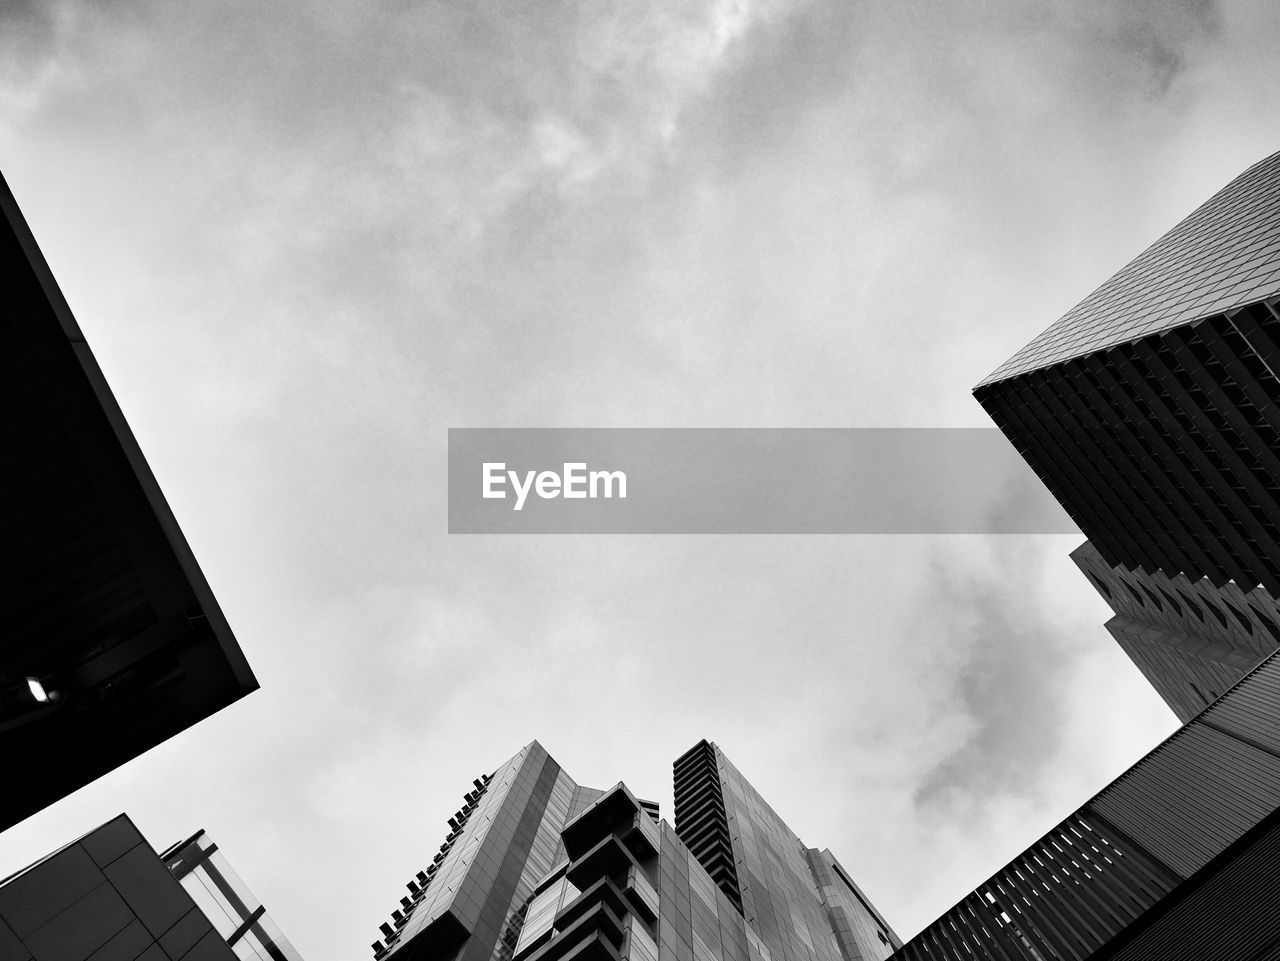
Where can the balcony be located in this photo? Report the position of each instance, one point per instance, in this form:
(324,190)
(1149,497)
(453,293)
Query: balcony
(588,929)
(616,813)
(609,858)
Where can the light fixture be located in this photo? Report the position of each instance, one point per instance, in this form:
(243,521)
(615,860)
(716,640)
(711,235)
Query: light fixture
(37,689)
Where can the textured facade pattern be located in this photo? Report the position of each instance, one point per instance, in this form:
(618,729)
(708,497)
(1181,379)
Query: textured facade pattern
(701,819)
(1079,888)
(1229,910)
(1191,640)
(1187,681)
(1225,254)
(1166,450)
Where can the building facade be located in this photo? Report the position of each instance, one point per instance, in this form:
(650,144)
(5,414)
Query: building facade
(1176,859)
(539,868)
(1151,410)
(108,896)
(790,894)
(239,917)
(1191,640)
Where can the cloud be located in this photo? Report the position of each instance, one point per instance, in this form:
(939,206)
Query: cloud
(1010,676)
(304,239)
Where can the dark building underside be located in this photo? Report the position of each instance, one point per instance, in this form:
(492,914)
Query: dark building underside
(1165,451)
(110,639)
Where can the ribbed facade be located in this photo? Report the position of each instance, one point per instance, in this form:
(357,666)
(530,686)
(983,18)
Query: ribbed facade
(1166,450)
(1228,910)
(1074,894)
(701,820)
(1151,410)
(1190,639)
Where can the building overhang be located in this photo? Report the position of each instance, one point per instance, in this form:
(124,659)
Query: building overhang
(111,640)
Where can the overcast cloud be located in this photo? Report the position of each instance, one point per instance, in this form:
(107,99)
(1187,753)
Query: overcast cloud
(305,239)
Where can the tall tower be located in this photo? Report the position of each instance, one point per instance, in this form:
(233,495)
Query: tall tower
(1151,411)
(468,903)
(798,899)
(538,868)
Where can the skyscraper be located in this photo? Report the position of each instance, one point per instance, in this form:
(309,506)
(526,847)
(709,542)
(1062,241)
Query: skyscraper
(538,868)
(793,896)
(1151,411)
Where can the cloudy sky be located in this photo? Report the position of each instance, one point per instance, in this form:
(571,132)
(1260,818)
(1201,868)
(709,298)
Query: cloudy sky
(305,239)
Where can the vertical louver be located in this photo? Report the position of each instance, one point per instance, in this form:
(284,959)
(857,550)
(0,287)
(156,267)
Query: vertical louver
(701,822)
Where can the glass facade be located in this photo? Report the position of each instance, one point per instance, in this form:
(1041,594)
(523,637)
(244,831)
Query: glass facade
(471,903)
(1224,255)
(237,915)
(774,875)
(593,875)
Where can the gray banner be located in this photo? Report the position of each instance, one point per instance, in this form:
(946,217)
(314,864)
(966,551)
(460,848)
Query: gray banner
(744,481)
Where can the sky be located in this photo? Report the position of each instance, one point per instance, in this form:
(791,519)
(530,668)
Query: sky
(303,240)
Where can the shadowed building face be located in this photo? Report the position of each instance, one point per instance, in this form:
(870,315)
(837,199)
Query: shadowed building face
(110,639)
(1152,409)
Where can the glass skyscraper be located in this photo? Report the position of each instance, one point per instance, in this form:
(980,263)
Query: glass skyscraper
(538,868)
